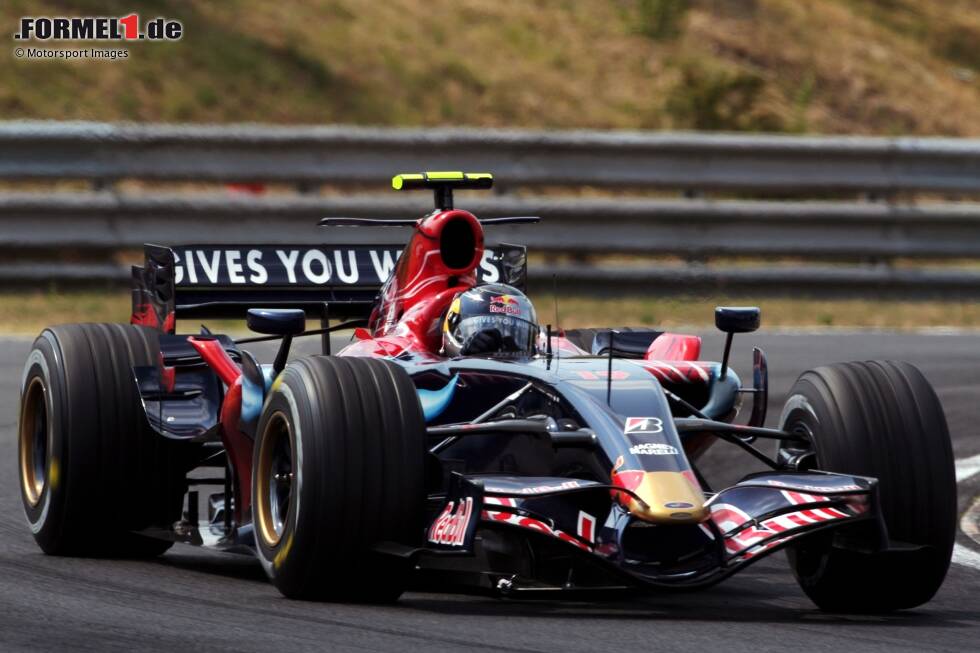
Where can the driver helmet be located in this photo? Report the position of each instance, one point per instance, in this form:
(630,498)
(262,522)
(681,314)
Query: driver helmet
(494,320)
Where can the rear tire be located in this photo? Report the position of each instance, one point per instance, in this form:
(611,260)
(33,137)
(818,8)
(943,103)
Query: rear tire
(879,419)
(91,471)
(339,467)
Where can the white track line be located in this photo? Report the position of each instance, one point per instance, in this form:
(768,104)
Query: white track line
(966,556)
(965,469)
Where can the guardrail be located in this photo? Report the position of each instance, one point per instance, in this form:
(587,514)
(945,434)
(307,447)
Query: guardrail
(340,154)
(690,229)
(90,225)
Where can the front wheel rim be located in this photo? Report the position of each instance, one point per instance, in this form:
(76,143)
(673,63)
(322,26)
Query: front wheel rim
(33,442)
(274,479)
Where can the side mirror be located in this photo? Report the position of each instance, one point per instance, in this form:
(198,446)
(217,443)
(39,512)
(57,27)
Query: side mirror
(737,319)
(732,320)
(285,322)
(276,321)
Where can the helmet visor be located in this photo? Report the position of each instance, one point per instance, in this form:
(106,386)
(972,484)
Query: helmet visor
(511,335)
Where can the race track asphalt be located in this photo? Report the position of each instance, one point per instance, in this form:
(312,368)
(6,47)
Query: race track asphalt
(195,600)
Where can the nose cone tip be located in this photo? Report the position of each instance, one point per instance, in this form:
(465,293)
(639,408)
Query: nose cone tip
(667,498)
(658,515)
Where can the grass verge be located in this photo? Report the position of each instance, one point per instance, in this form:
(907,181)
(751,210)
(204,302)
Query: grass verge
(838,66)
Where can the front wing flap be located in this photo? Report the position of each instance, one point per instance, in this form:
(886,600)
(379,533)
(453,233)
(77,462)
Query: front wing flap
(767,510)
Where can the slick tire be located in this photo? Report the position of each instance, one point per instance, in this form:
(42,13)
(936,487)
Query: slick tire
(879,419)
(338,468)
(91,471)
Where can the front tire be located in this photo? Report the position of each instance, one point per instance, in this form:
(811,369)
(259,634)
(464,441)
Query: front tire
(880,419)
(338,468)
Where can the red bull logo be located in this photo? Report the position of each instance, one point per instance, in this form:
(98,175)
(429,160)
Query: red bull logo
(505,304)
(451,525)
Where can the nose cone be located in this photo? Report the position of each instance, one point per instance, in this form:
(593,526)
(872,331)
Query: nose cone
(667,497)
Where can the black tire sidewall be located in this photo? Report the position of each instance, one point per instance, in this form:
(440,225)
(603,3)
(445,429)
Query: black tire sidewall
(44,518)
(282,400)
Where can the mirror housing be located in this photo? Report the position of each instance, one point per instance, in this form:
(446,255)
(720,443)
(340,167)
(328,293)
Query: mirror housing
(737,319)
(276,321)
(732,320)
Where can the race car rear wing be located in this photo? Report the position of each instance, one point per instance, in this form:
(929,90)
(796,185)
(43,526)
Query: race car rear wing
(224,281)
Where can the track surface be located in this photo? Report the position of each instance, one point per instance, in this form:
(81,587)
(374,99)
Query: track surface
(189,599)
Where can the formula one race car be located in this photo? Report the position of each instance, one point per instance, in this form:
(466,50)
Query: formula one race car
(457,442)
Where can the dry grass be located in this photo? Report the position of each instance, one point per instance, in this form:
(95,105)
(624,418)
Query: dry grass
(776,312)
(28,313)
(869,66)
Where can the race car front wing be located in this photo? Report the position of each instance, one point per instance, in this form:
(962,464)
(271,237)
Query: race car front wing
(759,515)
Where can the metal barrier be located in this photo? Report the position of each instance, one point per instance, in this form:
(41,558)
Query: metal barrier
(338,154)
(685,228)
(93,224)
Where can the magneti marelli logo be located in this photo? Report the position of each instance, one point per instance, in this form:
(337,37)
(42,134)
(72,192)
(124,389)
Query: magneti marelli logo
(98,28)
